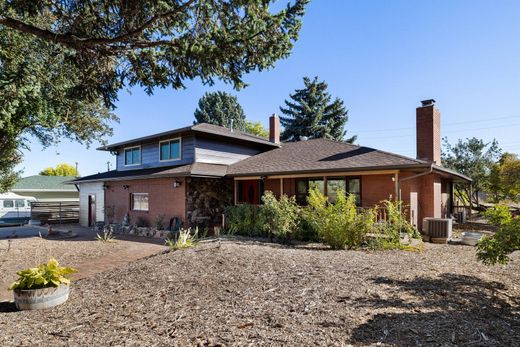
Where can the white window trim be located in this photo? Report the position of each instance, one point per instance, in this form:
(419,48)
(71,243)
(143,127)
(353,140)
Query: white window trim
(180,149)
(132,201)
(140,155)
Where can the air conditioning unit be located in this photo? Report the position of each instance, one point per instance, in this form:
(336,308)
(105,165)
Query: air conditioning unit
(437,228)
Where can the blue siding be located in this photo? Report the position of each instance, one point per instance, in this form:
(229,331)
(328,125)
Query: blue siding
(150,155)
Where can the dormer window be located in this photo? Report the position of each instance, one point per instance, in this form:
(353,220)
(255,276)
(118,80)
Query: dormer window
(133,156)
(170,149)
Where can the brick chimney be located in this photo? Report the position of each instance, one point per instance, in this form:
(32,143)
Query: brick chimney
(429,132)
(274,129)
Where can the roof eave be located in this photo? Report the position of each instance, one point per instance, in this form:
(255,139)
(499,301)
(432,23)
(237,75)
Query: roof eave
(316,171)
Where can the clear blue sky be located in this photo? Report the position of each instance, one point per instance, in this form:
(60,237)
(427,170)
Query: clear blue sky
(381,58)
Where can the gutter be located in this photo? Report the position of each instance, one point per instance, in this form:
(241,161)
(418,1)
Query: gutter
(412,178)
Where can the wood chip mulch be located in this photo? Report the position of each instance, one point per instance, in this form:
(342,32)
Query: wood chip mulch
(237,293)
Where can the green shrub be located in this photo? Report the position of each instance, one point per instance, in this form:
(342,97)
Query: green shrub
(339,225)
(280,215)
(185,239)
(495,249)
(387,232)
(498,215)
(306,230)
(106,236)
(159,222)
(245,220)
(43,276)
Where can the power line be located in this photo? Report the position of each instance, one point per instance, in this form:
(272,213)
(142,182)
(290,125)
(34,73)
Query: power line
(444,132)
(443,124)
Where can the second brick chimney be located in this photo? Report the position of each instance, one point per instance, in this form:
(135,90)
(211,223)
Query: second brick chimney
(429,132)
(274,129)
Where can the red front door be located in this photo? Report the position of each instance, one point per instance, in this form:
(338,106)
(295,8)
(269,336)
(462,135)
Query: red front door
(249,193)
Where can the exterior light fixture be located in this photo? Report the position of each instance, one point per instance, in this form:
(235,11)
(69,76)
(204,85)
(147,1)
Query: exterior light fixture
(177,184)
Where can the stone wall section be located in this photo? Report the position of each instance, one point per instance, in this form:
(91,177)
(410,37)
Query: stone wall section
(206,200)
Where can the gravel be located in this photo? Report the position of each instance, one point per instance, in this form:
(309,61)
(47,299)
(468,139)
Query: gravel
(244,292)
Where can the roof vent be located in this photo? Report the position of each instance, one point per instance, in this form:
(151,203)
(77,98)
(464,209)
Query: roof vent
(303,138)
(429,102)
(231,124)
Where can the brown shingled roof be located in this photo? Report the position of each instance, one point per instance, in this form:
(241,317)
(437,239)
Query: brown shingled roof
(202,128)
(195,169)
(319,155)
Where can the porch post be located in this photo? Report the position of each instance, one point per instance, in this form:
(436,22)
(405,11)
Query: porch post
(235,189)
(281,186)
(396,186)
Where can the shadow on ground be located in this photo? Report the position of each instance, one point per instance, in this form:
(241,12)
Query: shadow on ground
(449,310)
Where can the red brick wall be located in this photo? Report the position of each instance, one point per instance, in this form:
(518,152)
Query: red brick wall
(163,198)
(375,188)
(273,185)
(429,134)
(289,186)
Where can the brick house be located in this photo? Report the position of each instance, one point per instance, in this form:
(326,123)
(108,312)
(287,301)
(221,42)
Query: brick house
(193,173)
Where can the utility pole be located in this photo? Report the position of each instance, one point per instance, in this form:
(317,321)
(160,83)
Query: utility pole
(76,173)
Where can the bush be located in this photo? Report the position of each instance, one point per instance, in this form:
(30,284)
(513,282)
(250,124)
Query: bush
(339,225)
(159,222)
(388,231)
(106,236)
(43,276)
(498,215)
(185,239)
(280,216)
(306,230)
(245,220)
(495,249)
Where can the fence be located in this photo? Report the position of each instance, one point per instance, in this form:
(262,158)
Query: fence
(55,212)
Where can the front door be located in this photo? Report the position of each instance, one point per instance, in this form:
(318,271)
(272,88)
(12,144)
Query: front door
(91,210)
(249,192)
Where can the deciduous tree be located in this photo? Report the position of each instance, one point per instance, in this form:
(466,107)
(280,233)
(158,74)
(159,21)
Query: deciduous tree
(475,159)
(60,170)
(62,63)
(256,128)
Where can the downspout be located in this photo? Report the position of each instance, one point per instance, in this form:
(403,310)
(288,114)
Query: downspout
(408,179)
(411,178)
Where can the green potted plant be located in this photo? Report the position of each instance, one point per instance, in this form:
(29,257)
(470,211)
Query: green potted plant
(44,286)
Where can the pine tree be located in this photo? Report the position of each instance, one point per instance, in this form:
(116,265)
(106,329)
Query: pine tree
(219,108)
(311,113)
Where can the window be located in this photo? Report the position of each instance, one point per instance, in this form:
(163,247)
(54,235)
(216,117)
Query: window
(133,156)
(19,203)
(354,187)
(301,191)
(139,201)
(8,203)
(304,185)
(346,184)
(333,184)
(170,150)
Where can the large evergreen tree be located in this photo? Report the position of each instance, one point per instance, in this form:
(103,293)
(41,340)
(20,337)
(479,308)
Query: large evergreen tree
(219,108)
(311,113)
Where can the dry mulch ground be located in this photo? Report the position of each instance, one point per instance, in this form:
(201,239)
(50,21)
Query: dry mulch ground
(84,252)
(252,293)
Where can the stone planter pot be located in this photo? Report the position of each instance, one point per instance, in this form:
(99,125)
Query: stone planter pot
(39,299)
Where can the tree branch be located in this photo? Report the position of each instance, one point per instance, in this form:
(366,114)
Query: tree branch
(74,41)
